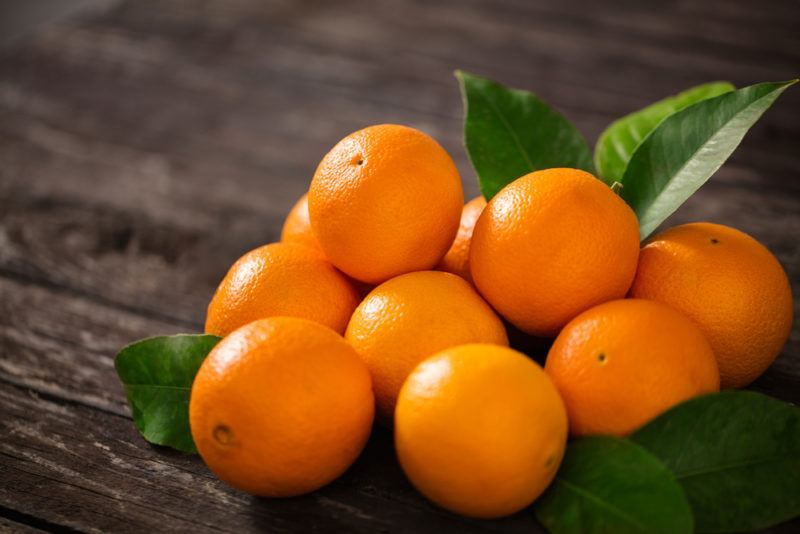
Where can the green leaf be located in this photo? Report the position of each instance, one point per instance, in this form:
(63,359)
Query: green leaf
(617,143)
(687,147)
(509,133)
(157,374)
(608,484)
(737,456)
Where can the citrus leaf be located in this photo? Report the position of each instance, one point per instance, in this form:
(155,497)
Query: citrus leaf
(737,456)
(687,147)
(608,484)
(509,133)
(617,143)
(157,374)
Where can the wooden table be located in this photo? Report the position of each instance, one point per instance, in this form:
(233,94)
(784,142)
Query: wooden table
(145,148)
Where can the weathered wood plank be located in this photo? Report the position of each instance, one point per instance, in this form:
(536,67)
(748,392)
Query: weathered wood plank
(62,345)
(313,55)
(128,102)
(114,257)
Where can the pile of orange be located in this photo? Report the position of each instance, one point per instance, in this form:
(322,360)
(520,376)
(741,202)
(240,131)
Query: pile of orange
(387,299)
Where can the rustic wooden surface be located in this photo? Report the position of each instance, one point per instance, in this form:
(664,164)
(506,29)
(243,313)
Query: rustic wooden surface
(144,148)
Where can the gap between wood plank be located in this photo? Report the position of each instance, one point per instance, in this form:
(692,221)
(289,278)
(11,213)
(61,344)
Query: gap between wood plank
(61,398)
(46,283)
(35,522)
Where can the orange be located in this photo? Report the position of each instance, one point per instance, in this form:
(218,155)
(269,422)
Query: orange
(281,407)
(553,244)
(281,279)
(480,430)
(297,227)
(405,320)
(386,200)
(456,260)
(622,363)
(730,285)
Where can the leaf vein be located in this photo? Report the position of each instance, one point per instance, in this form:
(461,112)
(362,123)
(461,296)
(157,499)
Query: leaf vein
(511,131)
(720,132)
(727,467)
(603,503)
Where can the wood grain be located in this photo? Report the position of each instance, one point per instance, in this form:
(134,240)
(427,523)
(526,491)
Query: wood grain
(145,147)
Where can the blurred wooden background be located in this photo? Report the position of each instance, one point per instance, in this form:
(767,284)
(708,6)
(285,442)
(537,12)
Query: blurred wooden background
(146,145)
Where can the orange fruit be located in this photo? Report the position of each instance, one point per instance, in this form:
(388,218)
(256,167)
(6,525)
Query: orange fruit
(297,227)
(622,363)
(553,244)
(281,279)
(480,430)
(730,285)
(456,260)
(386,200)
(405,320)
(281,407)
